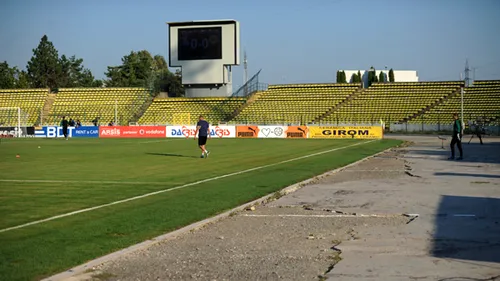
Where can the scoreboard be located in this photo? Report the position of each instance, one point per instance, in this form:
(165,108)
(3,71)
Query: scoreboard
(205,51)
(200,43)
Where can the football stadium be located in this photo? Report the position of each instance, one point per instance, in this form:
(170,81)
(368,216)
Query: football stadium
(124,166)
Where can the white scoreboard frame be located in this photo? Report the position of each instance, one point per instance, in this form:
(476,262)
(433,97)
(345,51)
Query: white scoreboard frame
(207,71)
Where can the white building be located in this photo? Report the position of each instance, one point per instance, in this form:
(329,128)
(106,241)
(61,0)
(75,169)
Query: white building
(399,75)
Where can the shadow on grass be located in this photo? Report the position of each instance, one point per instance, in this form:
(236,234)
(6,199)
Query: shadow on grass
(171,155)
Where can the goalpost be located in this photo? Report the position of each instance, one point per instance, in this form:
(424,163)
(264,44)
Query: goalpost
(16,118)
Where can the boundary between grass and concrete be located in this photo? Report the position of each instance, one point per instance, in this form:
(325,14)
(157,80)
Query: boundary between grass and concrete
(90,265)
(177,187)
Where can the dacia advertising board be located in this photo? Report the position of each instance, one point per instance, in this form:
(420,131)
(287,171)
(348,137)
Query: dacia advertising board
(189,131)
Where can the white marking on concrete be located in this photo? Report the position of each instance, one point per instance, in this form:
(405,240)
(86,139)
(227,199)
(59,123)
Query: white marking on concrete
(180,187)
(96,182)
(325,216)
(375,170)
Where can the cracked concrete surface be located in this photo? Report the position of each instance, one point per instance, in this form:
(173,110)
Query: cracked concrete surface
(317,233)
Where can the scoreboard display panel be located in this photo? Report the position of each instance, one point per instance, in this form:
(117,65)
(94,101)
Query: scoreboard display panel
(200,43)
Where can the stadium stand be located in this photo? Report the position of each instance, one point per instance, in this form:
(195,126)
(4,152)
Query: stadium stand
(294,103)
(481,100)
(30,101)
(87,104)
(183,111)
(392,102)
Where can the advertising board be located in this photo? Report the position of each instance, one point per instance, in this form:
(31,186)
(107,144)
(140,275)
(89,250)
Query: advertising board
(346,132)
(132,132)
(272,131)
(189,131)
(297,132)
(11,132)
(73,132)
(247,131)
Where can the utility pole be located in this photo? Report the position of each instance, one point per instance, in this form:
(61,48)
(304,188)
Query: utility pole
(467,69)
(245,72)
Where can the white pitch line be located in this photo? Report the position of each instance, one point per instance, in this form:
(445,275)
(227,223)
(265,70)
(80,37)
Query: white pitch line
(179,187)
(96,182)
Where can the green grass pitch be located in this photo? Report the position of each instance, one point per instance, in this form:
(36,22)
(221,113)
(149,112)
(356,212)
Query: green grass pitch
(54,176)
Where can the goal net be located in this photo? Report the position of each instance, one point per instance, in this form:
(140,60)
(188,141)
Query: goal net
(13,122)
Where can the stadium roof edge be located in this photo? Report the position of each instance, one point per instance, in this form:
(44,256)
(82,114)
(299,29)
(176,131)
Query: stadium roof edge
(202,22)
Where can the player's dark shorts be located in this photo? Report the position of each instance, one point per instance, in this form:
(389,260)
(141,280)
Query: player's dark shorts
(202,140)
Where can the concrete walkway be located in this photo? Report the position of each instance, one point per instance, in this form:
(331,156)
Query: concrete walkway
(349,227)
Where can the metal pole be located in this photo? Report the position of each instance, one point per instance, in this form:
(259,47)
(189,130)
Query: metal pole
(462,103)
(19,133)
(116,109)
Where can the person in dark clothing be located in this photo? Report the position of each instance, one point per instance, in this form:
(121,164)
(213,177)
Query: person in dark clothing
(203,132)
(64,125)
(71,122)
(478,130)
(78,123)
(456,139)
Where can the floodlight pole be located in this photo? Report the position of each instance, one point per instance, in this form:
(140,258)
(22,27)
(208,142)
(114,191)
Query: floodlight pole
(462,102)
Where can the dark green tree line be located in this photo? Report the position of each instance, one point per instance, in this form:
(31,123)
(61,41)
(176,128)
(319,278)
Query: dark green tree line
(391,75)
(46,69)
(141,69)
(341,77)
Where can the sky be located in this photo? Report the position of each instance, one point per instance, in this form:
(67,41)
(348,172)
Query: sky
(292,41)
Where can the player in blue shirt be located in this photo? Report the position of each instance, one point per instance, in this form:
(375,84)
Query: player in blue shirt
(203,132)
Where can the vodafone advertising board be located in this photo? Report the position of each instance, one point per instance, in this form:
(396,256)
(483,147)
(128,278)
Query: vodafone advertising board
(132,132)
(189,131)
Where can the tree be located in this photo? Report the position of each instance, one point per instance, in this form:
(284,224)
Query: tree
(22,80)
(354,78)
(391,75)
(338,76)
(360,77)
(43,68)
(381,77)
(371,75)
(7,76)
(140,69)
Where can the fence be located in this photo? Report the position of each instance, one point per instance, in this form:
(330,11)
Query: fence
(251,86)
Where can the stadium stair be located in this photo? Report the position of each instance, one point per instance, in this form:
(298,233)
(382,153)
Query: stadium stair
(251,99)
(390,102)
(481,100)
(293,103)
(142,110)
(431,106)
(342,103)
(47,106)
